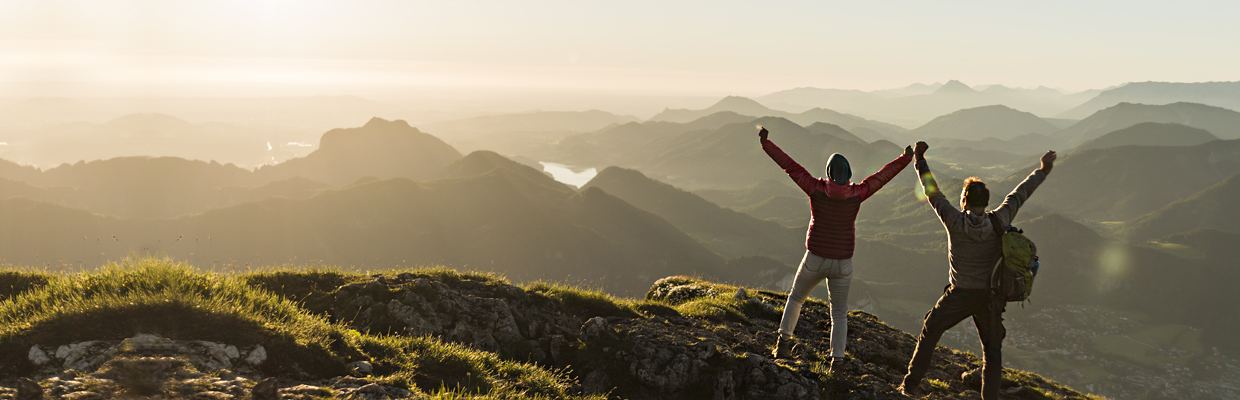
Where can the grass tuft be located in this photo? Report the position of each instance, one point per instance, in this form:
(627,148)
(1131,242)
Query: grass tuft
(590,302)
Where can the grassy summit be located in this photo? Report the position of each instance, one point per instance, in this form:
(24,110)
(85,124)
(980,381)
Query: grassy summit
(163,330)
(178,302)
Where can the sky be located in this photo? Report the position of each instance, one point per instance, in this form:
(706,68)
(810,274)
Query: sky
(686,48)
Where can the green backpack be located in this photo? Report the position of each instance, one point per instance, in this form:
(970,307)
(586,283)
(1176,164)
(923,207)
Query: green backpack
(1012,277)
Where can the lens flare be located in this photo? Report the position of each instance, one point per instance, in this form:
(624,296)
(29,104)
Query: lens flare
(1114,262)
(931,186)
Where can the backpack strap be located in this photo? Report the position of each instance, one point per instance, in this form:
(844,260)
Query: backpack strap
(999,230)
(995,223)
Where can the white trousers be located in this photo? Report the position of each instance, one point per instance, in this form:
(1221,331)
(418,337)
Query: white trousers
(814,269)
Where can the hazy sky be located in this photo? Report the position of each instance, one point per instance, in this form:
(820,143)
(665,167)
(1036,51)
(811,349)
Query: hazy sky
(278,47)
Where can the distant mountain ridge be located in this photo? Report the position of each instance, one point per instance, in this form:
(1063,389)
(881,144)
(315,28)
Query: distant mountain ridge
(867,129)
(1218,94)
(727,232)
(915,105)
(1221,122)
(996,121)
(731,157)
(1213,207)
(145,187)
(1120,183)
(1151,134)
(499,220)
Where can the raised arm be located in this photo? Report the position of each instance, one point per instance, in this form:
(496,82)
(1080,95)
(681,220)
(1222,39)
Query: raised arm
(947,213)
(887,173)
(803,178)
(1007,211)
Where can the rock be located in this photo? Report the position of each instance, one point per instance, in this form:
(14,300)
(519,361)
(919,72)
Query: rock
(231,351)
(740,295)
(791,391)
(368,392)
(363,301)
(349,382)
(556,346)
(536,352)
(725,387)
(597,381)
(361,367)
(257,356)
(38,356)
(302,392)
(28,389)
(596,327)
(398,393)
(211,395)
(265,390)
(84,395)
(758,302)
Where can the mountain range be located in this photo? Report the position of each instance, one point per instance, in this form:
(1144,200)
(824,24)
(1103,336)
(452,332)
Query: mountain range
(868,130)
(1212,207)
(1120,183)
(499,220)
(1218,94)
(997,121)
(910,108)
(152,134)
(1220,122)
(1150,134)
(521,133)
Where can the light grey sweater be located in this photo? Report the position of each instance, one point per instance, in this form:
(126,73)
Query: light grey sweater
(973,247)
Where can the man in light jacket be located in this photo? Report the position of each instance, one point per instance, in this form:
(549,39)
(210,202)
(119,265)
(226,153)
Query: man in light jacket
(973,250)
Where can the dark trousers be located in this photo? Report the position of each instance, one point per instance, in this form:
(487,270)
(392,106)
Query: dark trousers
(956,305)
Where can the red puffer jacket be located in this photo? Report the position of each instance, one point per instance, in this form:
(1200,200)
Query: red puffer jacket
(833,207)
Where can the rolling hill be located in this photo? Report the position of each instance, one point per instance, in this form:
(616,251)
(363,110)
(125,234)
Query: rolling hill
(1211,244)
(1120,183)
(997,121)
(609,145)
(726,232)
(867,129)
(521,133)
(750,195)
(152,134)
(500,220)
(381,148)
(144,187)
(1213,207)
(1150,134)
(915,105)
(1218,94)
(730,157)
(1221,122)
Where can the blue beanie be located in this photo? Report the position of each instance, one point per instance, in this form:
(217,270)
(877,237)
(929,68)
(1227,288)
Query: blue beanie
(838,170)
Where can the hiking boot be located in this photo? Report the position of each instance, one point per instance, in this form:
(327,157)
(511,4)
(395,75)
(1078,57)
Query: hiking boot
(837,365)
(912,391)
(783,348)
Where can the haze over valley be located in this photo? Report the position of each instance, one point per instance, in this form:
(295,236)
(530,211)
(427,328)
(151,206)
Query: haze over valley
(524,202)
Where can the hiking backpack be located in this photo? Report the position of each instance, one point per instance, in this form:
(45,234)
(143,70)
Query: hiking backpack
(1012,277)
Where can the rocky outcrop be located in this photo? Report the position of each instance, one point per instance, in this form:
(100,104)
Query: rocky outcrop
(652,350)
(687,339)
(153,367)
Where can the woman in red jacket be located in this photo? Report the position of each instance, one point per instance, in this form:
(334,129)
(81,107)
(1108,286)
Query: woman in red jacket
(834,203)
